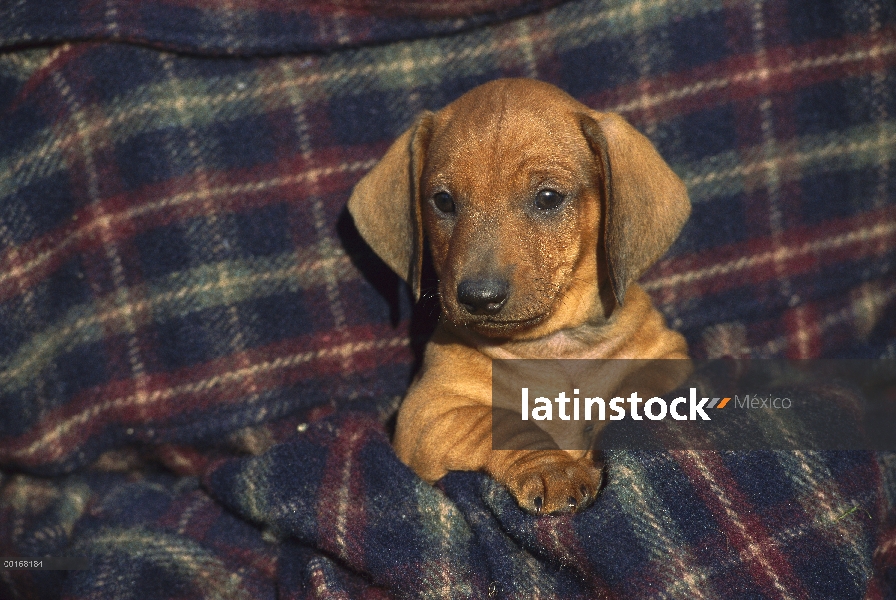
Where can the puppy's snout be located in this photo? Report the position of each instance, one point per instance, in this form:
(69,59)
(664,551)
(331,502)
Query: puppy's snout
(483,296)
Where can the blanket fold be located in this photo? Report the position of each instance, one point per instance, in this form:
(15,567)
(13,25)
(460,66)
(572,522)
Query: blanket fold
(257,28)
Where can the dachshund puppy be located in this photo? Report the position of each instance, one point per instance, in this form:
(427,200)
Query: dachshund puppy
(540,214)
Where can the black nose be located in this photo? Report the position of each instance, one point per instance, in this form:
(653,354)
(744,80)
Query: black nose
(482,296)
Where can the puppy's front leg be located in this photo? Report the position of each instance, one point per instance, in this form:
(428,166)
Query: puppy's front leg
(547,481)
(449,433)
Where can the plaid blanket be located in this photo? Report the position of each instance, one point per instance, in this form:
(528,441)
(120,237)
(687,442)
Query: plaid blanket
(200,359)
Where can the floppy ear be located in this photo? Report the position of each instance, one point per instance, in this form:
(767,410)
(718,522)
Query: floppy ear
(646,203)
(385,204)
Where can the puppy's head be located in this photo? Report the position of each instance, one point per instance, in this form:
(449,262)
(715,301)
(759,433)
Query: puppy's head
(537,209)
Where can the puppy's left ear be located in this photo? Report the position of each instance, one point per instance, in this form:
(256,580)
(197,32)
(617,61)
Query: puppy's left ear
(385,204)
(646,203)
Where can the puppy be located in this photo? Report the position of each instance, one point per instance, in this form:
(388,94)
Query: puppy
(540,214)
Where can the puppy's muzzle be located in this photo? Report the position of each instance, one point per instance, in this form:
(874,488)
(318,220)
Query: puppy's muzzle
(483,296)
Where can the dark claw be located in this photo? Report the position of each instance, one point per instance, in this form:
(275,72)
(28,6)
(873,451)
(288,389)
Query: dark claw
(571,502)
(538,502)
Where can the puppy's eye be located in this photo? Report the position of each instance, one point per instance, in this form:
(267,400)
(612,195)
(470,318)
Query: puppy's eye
(548,199)
(444,202)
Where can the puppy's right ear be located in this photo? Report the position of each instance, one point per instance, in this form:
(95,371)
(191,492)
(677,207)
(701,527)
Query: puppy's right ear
(385,204)
(646,203)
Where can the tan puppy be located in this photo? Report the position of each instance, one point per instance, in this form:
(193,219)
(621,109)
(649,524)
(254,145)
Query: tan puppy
(540,214)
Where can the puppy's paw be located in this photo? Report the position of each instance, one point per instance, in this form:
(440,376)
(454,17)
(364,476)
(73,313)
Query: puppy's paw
(552,482)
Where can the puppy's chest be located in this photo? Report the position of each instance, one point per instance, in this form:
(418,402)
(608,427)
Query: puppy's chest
(560,345)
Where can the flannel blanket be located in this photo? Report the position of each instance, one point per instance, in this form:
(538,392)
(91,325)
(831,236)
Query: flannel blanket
(200,359)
